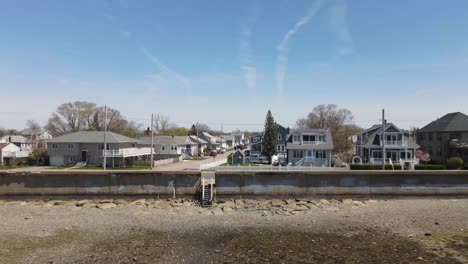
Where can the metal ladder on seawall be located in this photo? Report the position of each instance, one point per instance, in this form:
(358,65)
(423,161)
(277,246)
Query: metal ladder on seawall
(207,182)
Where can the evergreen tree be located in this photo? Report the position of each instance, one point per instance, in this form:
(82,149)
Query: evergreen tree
(270,138)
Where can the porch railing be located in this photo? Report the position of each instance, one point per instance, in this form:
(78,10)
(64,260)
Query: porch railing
(127,152)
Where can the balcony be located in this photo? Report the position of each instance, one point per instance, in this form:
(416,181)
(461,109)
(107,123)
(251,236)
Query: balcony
(127,152)
(16,154)
(396,143)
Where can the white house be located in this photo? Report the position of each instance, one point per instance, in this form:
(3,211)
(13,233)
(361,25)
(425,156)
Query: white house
(9,151)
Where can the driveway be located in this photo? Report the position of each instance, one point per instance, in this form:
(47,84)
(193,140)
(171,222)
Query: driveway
(190,164)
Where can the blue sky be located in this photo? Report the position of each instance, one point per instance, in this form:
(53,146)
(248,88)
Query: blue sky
(228,62)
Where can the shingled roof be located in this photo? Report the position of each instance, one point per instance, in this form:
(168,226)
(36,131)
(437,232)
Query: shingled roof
(453,122)
(92,137)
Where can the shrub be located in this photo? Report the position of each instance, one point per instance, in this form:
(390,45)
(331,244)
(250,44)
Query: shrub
(374,167)
(430,167)
(455,163)
(229,158)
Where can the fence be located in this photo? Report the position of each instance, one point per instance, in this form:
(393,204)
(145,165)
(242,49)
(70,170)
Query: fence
(275,168)
(213,163)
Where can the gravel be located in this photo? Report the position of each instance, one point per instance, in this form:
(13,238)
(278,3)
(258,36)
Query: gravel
(234,231)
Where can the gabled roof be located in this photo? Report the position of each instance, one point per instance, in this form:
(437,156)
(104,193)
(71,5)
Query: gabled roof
(453,122)
(15,139)
(200,140)
(2,145)
(327,145)
(376,130)
(158,140)
(182,140)
(92,137)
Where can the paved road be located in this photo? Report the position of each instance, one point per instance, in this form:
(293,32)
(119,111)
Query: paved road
(189,164)
(184,165)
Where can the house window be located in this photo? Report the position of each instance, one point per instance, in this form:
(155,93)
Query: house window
(430,136)
(279,136)
(296,138)
(377,154)
(320,154)
(101,146)
(55,146)
(298,154)
(280,147)
(71,146)
(72,158)
(133,145)
(163,147)
(321,138)
(308,138)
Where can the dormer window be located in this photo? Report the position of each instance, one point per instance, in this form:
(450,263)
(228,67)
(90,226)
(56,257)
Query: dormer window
(296,138)
(279,136)
(321,138)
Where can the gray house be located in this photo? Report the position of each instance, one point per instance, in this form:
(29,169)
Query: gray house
(257,144)
(309,147)
(399,144)
(88,147)
(239,157)
(445,138)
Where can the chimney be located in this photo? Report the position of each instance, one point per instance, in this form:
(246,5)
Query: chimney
(289,131)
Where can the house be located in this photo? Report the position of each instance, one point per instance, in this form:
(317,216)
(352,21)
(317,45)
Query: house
(202,144)
(229,139)
(446,137)
(186,145)
(239,157)
(399,144)
(214,142)
(309,147)
(22,142)
(7,152)
(37,138)
(257,144)
(88,147)
(164,146)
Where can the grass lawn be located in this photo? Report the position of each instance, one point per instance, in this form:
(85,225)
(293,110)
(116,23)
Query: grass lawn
(60,168)
(139,167)
(12,167)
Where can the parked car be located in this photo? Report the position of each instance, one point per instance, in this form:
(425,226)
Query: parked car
(222,151)
(257,158)
(213,153)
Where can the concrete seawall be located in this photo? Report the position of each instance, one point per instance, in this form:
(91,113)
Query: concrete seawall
(100,183)
(341,183)
(237,183)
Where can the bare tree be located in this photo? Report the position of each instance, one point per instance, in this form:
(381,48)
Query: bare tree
(162,123)
(3,131)
(33,128)
(338,120)
(76,116)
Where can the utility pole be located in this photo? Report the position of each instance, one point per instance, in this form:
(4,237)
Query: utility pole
(104,160)
(198,141)
(383,139)
(152,143)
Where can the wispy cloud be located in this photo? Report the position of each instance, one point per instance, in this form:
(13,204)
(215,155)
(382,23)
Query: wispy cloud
(185,82)
(339,26)
(282,49)
(125,33)
(246,55)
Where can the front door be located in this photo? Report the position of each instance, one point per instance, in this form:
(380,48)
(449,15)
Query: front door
(84,156)
(309,154)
